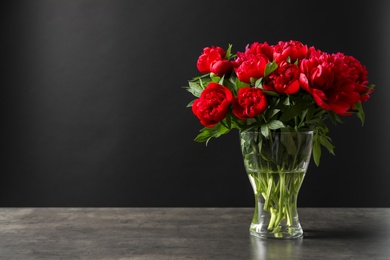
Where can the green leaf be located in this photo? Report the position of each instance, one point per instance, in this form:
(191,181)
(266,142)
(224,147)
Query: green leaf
(239,84)
(265,131)
(202,82)
(334,117)
(258,83)
(227,121)
(360,114)
(317,122)
(214,132)
(221,80)
(271,93)
(316,152)
(275,124)
(310,113)
(253,81)
(293,111)
(194,88)
(228,51)
(214,78)
(269,68)
(286,101)
(190,104)
(272,113)
(326,142)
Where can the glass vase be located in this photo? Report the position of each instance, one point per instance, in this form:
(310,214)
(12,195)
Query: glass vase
(276,165)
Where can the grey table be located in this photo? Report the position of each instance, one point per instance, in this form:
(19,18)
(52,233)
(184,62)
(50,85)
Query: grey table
(187,233)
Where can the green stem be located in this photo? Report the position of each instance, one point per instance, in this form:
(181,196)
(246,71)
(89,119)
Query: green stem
(281,198)
(267,197)
(271,224)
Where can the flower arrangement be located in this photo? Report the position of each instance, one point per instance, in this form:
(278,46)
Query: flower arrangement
(279,98)
(283,86)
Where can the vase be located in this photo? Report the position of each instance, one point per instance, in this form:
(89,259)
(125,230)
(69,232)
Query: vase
(276,164)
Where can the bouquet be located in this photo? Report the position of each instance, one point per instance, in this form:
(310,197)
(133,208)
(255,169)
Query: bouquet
(271,87)
(265,92)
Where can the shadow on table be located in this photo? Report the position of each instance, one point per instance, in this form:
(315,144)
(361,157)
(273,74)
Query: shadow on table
(340,234)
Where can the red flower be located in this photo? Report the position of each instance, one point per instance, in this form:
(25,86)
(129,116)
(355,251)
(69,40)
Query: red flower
(250,102)
(213,104)
(221,67)
(293,49)
(212,60)
(251,67)
(335,81)
(358,74)
(252,63)
(284,80)
(260,48)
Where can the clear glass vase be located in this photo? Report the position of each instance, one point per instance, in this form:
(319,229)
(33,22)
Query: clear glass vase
(276,166)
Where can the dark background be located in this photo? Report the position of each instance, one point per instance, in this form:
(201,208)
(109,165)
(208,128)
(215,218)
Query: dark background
(93,112)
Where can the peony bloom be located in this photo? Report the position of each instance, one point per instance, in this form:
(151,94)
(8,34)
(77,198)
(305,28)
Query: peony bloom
(358,74)
(221,67)
(252,62)
(257,48)
(285,80)
(293,49)
(249,103)
(213,104)
(208,56)
(251,69)
(335,81)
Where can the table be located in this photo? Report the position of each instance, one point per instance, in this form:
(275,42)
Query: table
(187,233)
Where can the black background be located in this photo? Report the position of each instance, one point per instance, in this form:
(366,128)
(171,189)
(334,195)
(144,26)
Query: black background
(93,111)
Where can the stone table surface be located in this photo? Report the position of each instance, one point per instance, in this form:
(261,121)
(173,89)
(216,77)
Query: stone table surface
(187,233)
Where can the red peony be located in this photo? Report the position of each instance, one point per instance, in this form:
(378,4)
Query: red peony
(293,49)
(260,48)
(249,103)
(209,55)
(221,67)
(284,80)
(252,67)
(213,104)
(252,63)
(358,74)
(332,81)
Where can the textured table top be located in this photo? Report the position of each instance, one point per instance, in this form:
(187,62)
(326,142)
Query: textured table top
(187,233)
